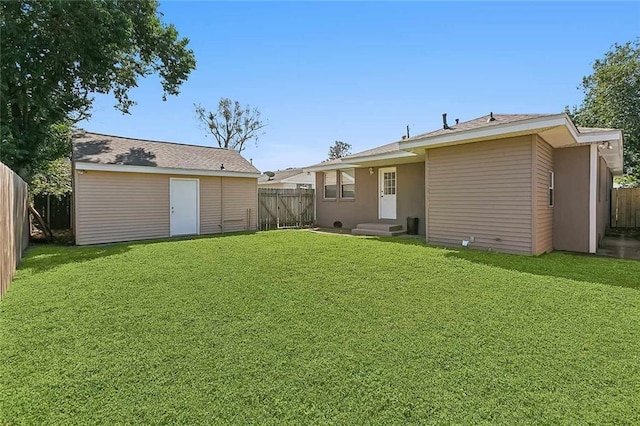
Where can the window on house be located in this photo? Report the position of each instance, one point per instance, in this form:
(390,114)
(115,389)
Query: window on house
(551,188)
(348,183)
(330,184)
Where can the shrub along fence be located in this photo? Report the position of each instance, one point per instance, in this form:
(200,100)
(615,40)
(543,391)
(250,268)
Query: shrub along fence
(285,208)
(14,224)
(625,208)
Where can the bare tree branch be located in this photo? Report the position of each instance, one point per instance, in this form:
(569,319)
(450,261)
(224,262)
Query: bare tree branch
(231,125)
(339,149)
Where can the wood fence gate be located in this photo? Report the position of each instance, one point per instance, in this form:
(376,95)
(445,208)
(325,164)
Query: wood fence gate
(625,208)
(286,208)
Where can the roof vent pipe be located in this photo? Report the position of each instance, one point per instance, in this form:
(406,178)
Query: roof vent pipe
(457,121)
(444,121)
(491,117)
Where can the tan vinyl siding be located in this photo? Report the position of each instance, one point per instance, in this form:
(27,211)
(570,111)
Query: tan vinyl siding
(121,207)
(364,207)
(481,190)
(571,210)
(239,196)
(112,206)
(210,205)
(543,216)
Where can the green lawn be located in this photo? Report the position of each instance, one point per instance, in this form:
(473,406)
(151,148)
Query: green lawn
(296,327)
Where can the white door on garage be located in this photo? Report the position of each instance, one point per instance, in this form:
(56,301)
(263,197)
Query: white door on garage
(185,206)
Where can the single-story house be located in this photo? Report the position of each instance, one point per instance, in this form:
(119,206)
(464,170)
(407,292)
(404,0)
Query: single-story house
(518,183)
(291,178)
(131,189)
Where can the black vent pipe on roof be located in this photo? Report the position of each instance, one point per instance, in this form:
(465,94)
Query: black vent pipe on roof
(444,121)
(491,117)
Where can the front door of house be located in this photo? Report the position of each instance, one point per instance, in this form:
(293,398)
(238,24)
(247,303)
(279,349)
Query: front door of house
(387,184)
(185,209)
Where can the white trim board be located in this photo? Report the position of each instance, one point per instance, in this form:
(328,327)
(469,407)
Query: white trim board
(79,165)
(385,156)
(333,166)
(593,188)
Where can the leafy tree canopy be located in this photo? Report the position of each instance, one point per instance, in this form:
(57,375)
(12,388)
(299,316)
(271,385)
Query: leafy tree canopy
(339,149)
(56,54)
(232,125)
(54,178)
(612,99)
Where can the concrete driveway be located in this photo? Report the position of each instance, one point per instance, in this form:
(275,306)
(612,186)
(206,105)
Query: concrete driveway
(624,244)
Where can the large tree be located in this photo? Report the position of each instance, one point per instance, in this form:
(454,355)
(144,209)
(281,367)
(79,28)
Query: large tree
(56,54)
(339,149)
(232,125)
(612,99)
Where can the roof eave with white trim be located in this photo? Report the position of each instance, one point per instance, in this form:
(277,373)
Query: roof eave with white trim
(124,168)
(529,125)
(332,166)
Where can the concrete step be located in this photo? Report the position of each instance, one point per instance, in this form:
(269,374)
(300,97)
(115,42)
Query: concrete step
(376,232)
(384,227)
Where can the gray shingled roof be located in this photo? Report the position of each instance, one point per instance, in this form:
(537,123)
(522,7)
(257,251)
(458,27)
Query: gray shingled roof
(107,149)
(466,125)
(390,147)
(280,175)
(328,162)
(479,122)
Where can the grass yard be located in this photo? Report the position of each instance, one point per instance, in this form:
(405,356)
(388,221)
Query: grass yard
(296,327)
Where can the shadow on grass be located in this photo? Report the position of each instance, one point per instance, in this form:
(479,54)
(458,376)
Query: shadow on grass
(615,272)
(578,267)
(42,258)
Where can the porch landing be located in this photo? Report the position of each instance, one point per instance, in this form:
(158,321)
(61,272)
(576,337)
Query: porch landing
(378,229)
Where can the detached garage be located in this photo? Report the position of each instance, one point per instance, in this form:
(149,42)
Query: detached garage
(130,189)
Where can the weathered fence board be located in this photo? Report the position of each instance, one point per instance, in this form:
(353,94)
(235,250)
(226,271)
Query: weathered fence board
(625,208)
(285,208)
(14,224)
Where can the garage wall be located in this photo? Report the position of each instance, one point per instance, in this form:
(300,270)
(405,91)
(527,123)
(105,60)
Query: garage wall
(239,194)
(114,206)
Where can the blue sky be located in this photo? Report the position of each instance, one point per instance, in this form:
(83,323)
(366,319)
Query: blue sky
(360,72)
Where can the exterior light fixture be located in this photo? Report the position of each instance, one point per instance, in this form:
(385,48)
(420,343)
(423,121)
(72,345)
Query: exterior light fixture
(606,145)
(370,170)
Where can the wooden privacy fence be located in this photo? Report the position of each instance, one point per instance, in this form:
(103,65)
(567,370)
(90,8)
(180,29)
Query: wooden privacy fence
(56,211)
(14,224)
(625,208)
(286,208)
